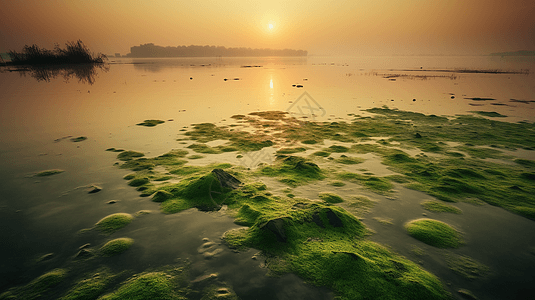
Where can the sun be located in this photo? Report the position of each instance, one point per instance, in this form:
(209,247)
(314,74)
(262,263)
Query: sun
(270,26)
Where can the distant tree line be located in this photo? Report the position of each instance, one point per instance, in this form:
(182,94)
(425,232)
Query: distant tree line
(515,53)
(74,53)
(151,50)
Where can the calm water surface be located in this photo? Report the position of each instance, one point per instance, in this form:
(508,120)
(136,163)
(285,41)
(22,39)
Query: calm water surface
(43,215)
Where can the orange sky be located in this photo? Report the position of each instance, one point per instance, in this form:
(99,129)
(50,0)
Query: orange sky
(358,27)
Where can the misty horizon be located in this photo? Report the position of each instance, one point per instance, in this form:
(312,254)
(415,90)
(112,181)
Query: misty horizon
(364,28)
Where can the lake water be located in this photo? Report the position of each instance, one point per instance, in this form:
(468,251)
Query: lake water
(37,118)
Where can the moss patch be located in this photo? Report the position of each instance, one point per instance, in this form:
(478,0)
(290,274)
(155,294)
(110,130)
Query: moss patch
(330,198)
(91,287)
(466,266)
(128,155)
(48,173)
(150,123)
(434,233)
(436,206)
(154,285)
(114,222)
(293,170)
(116,246)
(39,288)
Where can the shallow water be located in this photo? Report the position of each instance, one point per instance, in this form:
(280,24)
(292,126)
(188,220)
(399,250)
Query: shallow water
(43,215)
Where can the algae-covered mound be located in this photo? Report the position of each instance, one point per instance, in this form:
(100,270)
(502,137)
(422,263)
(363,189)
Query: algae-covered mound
(293,170)
(91,287)
(114,222)
(48,173)
(436,206)
(39,288)
(330,197)
(434,233)
(116,246)
(154,285)
(128,155)
(325,245)
(150,123)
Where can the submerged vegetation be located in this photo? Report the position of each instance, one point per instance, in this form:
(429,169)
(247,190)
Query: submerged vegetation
(434,233)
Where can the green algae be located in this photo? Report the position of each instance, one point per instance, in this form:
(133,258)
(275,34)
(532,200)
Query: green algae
(380,185)
(128,155)
(325,246)
(78,139)
(153,285)
(39,288)
(466,266)
(492,114)
(48,173)
(348,160)
(113,222)
(150,123)
(116,246)
(91,287)
(293,170)
(290,150)
(195,156)
(436,206)
(322,153)
(434,233)
(330,197)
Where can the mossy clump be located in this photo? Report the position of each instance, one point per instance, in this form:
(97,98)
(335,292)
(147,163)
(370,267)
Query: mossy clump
(380,185)
(154,285)
(491,114)
(293,170)
(291,150)
(116,246)
(348,160)
(114,222)
(128,155)
(48,173)
(78,139)
(434,233)
(150,123)
(436,206)
(91,287)
(466,266)
(138,181)
(330,197)
(39,288)
(325,246)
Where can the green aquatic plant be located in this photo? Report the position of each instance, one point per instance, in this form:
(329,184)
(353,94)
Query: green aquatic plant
(436,206)
(153,285)
(48,173)
(293,170)
(434,233)
(150,123)
(91,287)
(128,155)
(116,246)
(113,222)
(39,288)
(348,160)
(466,266)
(330,197)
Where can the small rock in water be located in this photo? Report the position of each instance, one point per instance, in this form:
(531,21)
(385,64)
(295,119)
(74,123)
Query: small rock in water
(94,189)
(112,202)
(84,253)
(46,257)
(418,135)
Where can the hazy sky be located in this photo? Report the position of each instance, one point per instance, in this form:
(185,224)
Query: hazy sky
(357,27)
